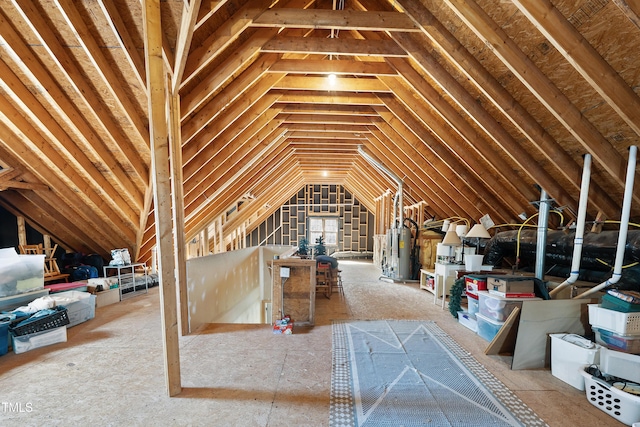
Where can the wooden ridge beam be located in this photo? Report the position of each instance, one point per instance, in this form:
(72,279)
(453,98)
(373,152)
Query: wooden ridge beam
(328,119)
(335,19)
(311,135)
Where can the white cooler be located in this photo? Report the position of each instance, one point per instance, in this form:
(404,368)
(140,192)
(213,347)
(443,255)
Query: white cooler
(569,354)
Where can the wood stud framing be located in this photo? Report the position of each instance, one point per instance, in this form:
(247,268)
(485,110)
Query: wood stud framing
(474,105)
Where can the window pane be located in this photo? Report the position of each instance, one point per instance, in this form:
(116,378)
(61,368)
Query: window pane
(315,224)
(331,238)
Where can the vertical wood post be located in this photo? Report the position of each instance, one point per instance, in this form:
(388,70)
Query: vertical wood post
(162,192)
(22,231)
(177,203)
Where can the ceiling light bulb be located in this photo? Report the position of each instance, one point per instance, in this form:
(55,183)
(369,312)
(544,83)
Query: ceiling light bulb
(332,79)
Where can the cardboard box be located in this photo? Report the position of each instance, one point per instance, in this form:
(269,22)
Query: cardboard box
(511,286)
(110,296)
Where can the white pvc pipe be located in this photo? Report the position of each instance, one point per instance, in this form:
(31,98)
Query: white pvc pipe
(578,239)
(395,177)
(624,225)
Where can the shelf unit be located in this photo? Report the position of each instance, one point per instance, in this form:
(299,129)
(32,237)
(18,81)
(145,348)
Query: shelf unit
(128,281)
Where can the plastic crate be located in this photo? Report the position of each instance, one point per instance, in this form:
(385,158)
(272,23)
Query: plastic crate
(24,343)
(39,324)
(614,321)
(613,303)
(81,306)
(468,320)
(622,406)
(625,343)
(498,308)
(472,303)
(488,328)
(619,364)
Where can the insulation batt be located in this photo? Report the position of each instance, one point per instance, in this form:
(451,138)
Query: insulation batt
(596,264)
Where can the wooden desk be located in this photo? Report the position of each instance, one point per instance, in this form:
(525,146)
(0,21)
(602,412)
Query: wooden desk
(294,295)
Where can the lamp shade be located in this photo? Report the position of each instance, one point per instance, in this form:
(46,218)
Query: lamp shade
(451,238)
(478,231)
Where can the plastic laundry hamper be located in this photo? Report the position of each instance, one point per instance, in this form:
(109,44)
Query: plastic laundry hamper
(624,407)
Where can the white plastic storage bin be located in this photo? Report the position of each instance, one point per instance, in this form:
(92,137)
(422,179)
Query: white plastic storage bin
(614,321)
(473,306)
(626,343)
(24,343)
(619,364)
(569,354)
(81,306)
(487,328)
(468,320)
(496,307)
(623,406)
(20,273)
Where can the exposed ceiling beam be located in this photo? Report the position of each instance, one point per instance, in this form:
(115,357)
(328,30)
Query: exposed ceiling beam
(102,66)
(542,87)
(129,145)
(326,66)
(203,54)
(334,19)
(631,9)
(584,58)
(120,30)
(324,46)
(448,46)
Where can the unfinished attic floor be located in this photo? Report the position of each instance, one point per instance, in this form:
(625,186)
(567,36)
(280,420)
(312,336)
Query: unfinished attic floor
(110,371)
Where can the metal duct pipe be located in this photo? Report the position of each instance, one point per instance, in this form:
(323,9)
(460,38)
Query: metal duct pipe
(624,226)
(393,176)
(541,245)
(578,239)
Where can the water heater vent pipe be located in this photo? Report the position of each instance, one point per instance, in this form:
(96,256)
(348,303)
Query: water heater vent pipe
(393,176)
